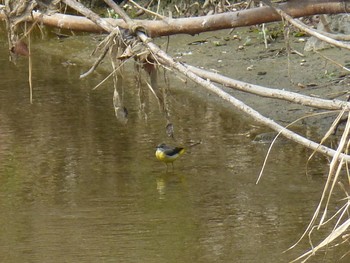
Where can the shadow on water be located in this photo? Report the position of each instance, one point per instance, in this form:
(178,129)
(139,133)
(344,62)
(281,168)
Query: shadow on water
(77,186)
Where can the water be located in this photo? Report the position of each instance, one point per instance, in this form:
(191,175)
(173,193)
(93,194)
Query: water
(78,186)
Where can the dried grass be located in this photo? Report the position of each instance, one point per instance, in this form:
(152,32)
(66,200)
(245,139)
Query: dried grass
(321,216)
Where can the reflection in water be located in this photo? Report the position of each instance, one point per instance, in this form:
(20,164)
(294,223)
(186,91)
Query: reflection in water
(161,187)
(168,182)
(78,186)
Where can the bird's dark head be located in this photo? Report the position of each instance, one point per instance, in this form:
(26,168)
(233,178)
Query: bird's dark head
(160,146)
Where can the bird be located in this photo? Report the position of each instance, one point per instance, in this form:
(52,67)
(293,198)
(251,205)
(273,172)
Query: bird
(168,154)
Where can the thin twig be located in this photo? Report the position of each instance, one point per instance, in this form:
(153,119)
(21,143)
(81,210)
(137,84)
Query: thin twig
(109,75)
(306,28)
(279,133)
(30,71)
(332,61)
(146,10)
(101,57)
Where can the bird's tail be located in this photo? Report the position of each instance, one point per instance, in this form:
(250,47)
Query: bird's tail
(195,144)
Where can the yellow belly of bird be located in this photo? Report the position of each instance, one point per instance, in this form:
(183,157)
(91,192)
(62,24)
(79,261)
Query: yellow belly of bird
(161,156)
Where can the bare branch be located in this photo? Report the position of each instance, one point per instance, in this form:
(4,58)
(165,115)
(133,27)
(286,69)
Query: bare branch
(271,93)
(306,28)
(196,25)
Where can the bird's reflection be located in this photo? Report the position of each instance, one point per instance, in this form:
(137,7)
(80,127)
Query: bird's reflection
(169,181)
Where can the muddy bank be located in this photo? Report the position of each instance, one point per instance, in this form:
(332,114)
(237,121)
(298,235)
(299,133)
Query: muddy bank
(243,56)
(240,55)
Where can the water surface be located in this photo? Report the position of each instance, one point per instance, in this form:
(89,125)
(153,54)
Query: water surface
(78,186)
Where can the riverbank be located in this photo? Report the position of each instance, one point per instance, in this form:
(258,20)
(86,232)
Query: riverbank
(240,55)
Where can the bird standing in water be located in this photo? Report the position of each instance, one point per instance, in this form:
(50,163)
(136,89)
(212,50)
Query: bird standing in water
(168,154)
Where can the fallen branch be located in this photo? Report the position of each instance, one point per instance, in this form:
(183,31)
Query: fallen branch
(271,93)
(196,25)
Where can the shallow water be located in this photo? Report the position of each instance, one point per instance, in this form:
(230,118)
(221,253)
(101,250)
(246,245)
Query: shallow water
(78,186)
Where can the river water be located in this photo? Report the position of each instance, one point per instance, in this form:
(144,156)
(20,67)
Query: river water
(76,185)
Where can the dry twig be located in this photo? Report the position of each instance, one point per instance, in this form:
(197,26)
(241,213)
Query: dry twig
(307,29)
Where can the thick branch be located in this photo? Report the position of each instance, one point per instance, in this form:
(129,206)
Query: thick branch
(195,25)
(271,93)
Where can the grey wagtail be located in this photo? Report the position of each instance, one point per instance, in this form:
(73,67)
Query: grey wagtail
(168,154)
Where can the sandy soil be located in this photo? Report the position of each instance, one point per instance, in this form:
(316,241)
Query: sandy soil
(242,55)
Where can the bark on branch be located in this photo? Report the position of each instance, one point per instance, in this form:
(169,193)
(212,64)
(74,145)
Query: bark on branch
(196,25)
(271,93)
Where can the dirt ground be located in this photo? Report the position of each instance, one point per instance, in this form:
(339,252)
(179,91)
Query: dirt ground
(242,55)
